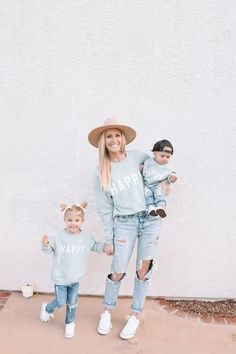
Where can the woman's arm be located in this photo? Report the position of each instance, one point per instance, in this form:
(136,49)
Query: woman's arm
(142,156)
(105,207)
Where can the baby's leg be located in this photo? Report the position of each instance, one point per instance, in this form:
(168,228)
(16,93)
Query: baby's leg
(160,201)
(149,193)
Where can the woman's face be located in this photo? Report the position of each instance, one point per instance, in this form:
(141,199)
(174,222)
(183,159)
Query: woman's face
(113,140)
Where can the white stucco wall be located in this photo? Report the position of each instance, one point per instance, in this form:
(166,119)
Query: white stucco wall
(165,67)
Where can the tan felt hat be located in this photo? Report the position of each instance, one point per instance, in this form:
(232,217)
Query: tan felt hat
(111,123)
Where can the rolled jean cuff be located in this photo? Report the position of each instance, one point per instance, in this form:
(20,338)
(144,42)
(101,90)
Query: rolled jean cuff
(108,306)
(136,310)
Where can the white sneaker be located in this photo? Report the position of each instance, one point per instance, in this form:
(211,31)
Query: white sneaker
(130,328)
(105,324)
(70,330)
(44,315)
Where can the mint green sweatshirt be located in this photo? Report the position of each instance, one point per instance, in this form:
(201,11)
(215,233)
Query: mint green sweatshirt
(126,195)
(153,172)
(70,255)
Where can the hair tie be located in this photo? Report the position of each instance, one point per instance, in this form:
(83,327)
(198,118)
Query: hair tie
(80,206)
(65,207)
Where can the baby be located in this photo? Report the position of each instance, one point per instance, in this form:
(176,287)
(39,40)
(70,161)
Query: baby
(155,170)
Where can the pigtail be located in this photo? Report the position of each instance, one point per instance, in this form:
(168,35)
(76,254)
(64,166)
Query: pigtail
(79,207)
(64,207)
(83,204)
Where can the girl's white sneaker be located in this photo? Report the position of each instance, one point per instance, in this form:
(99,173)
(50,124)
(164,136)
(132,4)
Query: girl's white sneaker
(70,330)
(44,315)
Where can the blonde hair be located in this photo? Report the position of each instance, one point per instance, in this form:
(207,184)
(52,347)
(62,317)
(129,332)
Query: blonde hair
(76,207)
(104,161)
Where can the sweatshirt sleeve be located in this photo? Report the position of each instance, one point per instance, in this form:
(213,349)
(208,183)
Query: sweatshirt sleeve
(50,248)
(167,178)
(105,207)
(97,246)
(141,156)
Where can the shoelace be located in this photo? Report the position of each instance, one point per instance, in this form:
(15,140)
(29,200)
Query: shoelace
(127,317)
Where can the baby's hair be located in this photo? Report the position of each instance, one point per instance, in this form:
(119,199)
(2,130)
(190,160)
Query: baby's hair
(160,145)
(77,207)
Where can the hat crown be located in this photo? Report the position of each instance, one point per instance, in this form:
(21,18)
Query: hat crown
(111,121)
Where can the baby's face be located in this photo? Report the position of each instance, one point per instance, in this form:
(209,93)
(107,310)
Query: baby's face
(162,157)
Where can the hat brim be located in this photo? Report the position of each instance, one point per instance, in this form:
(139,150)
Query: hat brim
(95,134)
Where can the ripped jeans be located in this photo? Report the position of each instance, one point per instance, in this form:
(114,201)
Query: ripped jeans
(65,294)
(146,229)
(155,195)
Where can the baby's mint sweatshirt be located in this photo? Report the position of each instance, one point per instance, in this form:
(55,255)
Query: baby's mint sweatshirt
(126,194)
(153,172)
(70,255)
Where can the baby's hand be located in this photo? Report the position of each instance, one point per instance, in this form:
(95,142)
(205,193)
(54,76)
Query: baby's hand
(108,249)
(172,178)
(44,240)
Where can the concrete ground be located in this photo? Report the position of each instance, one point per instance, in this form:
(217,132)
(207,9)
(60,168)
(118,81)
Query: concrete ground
(22,332)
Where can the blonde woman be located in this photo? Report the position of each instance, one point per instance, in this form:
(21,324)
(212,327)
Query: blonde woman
(121,205)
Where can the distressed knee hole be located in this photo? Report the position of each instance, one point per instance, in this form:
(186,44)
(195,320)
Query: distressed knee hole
(143,269)
(121,241)
(116,277)
(72,306)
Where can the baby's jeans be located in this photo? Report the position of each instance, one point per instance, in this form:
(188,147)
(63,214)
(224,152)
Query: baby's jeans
(146,230)
(65,294)
(154,195)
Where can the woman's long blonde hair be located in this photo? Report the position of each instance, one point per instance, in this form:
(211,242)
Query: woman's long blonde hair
(104,161)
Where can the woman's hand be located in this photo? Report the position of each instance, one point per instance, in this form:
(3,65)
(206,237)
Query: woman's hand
(44,240)
(108,249)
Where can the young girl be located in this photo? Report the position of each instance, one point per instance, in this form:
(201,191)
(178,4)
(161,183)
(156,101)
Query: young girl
(70,247)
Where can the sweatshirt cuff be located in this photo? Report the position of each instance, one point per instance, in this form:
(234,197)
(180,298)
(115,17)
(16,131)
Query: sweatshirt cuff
(108,241)
(48,247)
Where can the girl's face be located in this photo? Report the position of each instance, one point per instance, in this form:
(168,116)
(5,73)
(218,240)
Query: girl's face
(73,221)
(113,140)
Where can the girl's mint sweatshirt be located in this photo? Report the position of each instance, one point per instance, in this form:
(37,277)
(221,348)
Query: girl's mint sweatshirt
(126,194)
(70,255)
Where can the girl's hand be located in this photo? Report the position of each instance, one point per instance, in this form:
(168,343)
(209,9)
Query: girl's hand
(108,249)
(44,240)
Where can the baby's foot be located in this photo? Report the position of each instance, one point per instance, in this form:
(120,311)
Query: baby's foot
(152,211)
(160,211)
